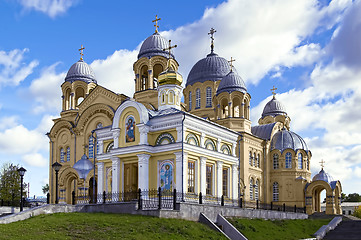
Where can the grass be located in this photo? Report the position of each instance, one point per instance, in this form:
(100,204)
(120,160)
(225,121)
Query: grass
(105,226)
(255,229)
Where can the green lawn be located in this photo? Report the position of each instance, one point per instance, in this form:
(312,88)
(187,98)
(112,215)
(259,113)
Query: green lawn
(105,226)
(261,229)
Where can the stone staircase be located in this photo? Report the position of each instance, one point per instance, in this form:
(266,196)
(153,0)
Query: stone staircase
(348,229)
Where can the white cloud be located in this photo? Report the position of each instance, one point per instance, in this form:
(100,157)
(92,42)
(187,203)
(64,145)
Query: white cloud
(35,159)
(13,69)
(8,122)
(52,8)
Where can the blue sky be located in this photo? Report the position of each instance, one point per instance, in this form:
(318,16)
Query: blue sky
(308,49)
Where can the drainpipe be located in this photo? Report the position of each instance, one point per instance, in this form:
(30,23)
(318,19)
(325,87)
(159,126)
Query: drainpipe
(184,116)
(71,130)
(52,157)
(94,152)
(264,174)
(239,165)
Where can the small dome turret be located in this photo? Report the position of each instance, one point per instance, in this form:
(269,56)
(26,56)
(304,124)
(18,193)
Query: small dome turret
(285,139)
(323,176)
(274,108)
(154,45)
(80,71)
(230,83)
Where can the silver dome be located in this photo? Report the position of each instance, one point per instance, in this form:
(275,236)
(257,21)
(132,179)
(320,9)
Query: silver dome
(230,83)
(274,108)
(323,176)
(285,139)
(80,71)
(153,46)
(212,67)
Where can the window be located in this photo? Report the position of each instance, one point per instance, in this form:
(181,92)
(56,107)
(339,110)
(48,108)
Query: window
(308,164)
(99,125)
(91,147)
(288,160)
(300,161)
(225,182)
(210,145)
(98,148)
(198,98)
(209,97)
(68,154)
(275,192)
(191,176)
(190,100)
(250,158)
(254,160)
(275,161)
(61,155)
(109,147)
(209,179)
(256,190)
(251,189)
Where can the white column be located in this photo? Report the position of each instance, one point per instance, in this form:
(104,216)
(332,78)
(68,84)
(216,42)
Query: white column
(219,178)
(143,132)
(181,165)
(100,166)
(203,175)
(143,171)
(115,175)
(218,145)
(234,145)
(101,146)
(235,180)
(203,135)
(116,133)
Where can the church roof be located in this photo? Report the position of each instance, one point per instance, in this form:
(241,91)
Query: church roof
(230,83)
(263,131)
(153,46)
(80,71)
(323,176)
(274,108)
(212,67)
(285,139)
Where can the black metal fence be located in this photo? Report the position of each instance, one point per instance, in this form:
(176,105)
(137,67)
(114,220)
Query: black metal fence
(167,199)
(14,203)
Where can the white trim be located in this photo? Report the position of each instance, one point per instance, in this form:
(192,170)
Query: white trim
(142,111)
(209,153)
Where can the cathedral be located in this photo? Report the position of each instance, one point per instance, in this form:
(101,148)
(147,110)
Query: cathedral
(204,144)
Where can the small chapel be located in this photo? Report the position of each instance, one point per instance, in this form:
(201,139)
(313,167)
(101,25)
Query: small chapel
(195,137)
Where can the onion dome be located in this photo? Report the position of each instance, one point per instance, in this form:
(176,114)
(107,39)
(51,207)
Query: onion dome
(212,67)
(83,166)
(80,71)
(153,46)
(274,108)
(230,83)
(323,176)
(170,76)
(285,139)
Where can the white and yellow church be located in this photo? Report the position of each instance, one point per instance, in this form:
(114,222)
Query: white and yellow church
(206,144)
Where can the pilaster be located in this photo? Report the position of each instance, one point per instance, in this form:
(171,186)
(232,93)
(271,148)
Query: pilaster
(100,166)
(115,175)
(181,171)
(203,161)
(143,132)
(116,133)
(235,180)
(219,178)
(143,171)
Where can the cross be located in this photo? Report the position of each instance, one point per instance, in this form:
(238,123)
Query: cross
(231,62)
(156,23)
(169,48)
(274,91)
(81,52)
(322,163)
(211,32)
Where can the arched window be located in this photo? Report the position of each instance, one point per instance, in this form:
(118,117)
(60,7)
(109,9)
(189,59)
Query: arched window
(258,160)
(209,97)
(275,192)
(109,147)
(256,190)
(288,160)
(68,154)
(308,164)
(250,158)
(61,155)
(254,160)
(91,147)
(251,189)
(164,138)
(198,98)
(225,149)
(192,139)
(275,161)
(99,125)
(209,144)
(300,161)
(190,100)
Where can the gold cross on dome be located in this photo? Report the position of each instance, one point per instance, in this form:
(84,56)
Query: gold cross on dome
(322,163)
(274,91)
(211,32)
(231,63)
(169,48)
(81,52)
(156,23)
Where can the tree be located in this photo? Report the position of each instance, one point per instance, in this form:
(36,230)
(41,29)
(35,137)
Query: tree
(353,197)
(45,188)
(10,184)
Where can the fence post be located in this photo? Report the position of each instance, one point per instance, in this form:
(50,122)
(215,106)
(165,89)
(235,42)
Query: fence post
(174,199)
(257,202)
(295,208)
(241,202)
(104,196)
(284,207)
(271,205)
(304,209)
(159,198)
(139,199)
(222,200)
(200,197)
(47,199)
